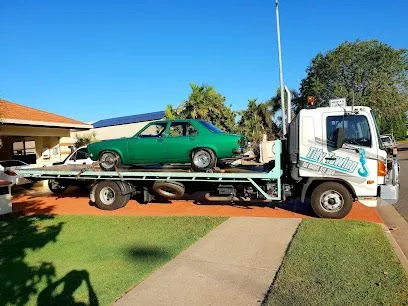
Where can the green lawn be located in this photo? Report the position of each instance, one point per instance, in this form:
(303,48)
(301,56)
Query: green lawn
(90,259)
(332,262)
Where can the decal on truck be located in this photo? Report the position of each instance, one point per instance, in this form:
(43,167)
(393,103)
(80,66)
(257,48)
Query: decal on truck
(363,171)
(330,160)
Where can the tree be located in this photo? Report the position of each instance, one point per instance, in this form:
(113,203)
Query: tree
(204,102)
(84,140)
(256,120)
(369,73)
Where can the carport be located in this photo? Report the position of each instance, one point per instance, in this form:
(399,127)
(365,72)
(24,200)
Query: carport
(35,136)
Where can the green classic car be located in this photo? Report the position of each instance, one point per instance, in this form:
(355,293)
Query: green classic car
(170,141)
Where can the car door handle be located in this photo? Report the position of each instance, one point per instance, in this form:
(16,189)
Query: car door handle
(330,158)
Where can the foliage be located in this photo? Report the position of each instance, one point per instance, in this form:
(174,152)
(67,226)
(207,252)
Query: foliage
(257,120)
(74,260)
(336,262)
(204,102)
(369,72)
(85,139)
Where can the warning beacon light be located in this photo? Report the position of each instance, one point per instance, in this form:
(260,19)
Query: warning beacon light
(310,100)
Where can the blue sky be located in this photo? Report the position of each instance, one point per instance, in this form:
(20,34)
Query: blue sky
(91,60)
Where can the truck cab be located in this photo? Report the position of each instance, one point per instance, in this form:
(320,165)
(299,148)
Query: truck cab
(340,148)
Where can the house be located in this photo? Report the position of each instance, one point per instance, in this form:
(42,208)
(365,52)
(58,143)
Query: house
(35,136)
(120,126)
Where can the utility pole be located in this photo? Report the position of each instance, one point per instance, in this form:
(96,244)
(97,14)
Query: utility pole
(282,90)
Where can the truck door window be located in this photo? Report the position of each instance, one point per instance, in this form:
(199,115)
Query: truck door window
(356,130)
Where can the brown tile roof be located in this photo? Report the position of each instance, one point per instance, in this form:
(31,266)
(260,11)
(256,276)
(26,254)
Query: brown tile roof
(10,110)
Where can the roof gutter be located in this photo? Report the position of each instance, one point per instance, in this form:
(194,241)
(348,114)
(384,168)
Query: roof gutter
(47,124)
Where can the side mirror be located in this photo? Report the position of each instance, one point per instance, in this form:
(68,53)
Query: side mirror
(339,138)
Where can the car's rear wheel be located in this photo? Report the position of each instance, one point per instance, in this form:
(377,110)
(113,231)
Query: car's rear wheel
(203,159)
(109,160)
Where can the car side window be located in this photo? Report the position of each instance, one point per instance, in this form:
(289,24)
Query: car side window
(73,157)
(154,130)
(82,154)
(178,129)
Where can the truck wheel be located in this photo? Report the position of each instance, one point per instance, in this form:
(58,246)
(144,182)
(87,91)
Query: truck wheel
(331,200)
(108,160)
(108,196)
(169,190)
(57,186)
(203,159)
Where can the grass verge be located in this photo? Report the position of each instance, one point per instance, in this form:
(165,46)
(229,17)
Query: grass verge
(87,259)
(332,262)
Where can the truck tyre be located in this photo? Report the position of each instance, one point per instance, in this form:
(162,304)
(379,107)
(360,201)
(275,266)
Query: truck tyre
(331,200)
(169,190)
(57,186)
(109,160)
(108,196)
(203,159)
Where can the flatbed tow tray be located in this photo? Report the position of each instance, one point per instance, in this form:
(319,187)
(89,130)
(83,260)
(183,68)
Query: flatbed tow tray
(164,173)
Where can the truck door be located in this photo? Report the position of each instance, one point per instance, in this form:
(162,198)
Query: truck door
(348,151)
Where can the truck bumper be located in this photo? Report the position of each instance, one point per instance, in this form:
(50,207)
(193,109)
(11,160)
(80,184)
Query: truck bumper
(389,193)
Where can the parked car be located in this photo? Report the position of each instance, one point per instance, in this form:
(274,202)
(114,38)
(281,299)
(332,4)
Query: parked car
(7,173)
(388,142)
(170,141)
(78,157)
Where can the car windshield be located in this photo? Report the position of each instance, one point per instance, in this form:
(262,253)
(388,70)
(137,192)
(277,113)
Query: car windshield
(12,163)
(211,127)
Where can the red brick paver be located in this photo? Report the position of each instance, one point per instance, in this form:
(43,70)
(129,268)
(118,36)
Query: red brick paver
(75,203)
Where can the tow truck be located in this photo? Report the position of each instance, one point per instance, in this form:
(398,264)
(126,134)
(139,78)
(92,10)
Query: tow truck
(330,155)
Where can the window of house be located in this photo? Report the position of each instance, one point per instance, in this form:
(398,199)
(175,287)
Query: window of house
(356,130)
(182,129)
(25,151)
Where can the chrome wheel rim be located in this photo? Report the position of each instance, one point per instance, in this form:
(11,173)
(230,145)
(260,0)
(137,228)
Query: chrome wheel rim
(202,159)
(108,160)
(107,195)
(331,201)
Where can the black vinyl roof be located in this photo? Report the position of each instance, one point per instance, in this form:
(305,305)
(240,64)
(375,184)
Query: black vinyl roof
(129,119)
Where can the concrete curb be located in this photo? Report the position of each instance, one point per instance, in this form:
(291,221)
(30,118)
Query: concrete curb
(397,236)
(398,251)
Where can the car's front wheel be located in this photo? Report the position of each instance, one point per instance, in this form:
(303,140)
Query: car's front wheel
(203,159)
(108,160)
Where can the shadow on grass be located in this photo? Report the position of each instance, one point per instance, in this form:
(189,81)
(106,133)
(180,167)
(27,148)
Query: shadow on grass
(53,295)
(18,236)
(145,253)
(21,280)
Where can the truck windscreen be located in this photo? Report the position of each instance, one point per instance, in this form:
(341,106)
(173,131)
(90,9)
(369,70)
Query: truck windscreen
(356,129)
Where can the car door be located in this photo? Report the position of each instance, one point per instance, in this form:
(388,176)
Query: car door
(182,138)
(147,146)
(355,157)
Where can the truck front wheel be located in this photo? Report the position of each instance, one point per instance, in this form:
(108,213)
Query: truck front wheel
(331,200)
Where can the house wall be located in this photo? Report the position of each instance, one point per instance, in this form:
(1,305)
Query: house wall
(48,145)
(111,132)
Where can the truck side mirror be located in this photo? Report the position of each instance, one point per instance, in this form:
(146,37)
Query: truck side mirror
(339,138)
